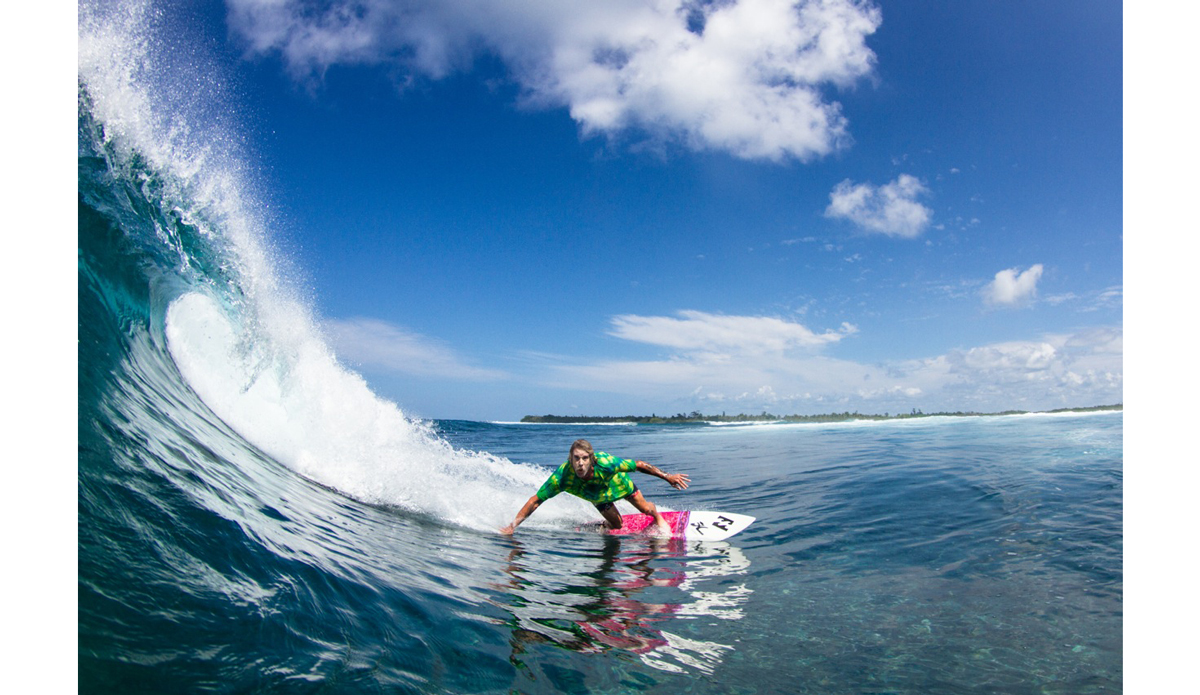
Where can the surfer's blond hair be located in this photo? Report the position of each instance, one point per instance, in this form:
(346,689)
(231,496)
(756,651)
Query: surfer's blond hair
(584,446)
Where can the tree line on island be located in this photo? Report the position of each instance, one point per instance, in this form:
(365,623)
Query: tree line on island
(696,416)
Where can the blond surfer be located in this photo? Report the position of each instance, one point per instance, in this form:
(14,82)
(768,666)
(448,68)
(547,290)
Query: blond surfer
(601,479)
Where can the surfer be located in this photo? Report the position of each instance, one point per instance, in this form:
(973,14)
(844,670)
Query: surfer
(601,479)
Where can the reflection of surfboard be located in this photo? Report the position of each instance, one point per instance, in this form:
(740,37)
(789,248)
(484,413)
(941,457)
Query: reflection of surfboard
(694,526)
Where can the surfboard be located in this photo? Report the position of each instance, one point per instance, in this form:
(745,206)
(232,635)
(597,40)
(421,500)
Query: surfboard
(690,525)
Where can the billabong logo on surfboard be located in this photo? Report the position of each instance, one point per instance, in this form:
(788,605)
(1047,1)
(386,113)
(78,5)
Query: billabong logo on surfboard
(691,525)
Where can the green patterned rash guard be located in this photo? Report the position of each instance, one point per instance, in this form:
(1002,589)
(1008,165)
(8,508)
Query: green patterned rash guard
(608,483)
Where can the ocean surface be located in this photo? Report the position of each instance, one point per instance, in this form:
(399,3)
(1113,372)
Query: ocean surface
(253,519)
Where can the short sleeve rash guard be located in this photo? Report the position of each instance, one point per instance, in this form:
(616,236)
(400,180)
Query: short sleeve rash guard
(609,481)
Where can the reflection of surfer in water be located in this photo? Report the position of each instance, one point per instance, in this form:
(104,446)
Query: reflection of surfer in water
(610,617)
(601,479)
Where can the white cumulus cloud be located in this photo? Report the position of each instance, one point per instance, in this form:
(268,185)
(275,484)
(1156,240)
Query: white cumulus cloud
(1012,287)
(1009,357)
(890,209)
(741,76)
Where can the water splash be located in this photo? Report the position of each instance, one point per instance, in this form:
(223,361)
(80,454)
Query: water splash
(232,318)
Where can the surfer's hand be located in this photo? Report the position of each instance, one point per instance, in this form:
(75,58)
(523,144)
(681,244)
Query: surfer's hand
(679,481)
(507,530)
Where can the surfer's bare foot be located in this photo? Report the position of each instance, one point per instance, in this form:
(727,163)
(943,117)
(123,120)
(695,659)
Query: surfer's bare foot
(664,529)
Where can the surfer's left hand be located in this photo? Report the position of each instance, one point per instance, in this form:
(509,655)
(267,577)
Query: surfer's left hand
(679,481)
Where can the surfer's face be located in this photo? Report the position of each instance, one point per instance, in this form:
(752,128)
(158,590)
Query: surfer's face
(581,463)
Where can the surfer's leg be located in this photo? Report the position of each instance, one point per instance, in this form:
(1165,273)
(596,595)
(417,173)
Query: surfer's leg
(645,506)
(611,516)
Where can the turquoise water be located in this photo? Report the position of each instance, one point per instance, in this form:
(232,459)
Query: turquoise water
(253,519)
(947,555)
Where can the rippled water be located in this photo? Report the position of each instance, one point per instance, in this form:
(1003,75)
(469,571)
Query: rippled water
(253,519)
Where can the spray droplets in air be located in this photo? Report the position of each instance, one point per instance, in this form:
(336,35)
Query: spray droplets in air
(245,343)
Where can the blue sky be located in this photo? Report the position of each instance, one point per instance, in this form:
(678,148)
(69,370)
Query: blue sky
(634,208)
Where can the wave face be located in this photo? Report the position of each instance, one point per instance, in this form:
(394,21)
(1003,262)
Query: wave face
(252,518)
(229,466)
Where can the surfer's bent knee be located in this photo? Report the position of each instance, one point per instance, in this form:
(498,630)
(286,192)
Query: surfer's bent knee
(637,499)
(608,511)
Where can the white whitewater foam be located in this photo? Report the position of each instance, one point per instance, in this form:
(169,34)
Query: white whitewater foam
(286,393)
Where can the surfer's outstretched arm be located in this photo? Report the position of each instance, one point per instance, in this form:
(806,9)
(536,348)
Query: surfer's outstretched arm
(679,481)
(529,507)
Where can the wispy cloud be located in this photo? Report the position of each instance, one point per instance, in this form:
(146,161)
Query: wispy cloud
(696,331)
(1012,287)
(741,76)
(1109,298)
(1083,368)
(890,209)
(752,363)
(380,345)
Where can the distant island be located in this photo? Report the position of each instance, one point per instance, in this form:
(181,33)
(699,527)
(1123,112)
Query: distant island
(696,416)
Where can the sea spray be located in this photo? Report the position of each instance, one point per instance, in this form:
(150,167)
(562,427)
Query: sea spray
(236,329)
